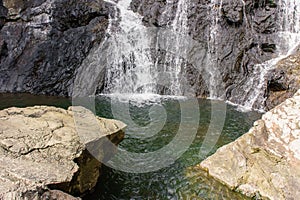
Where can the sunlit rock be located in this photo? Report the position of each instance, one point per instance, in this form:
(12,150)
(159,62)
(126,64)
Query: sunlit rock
(40,149)
(265,162)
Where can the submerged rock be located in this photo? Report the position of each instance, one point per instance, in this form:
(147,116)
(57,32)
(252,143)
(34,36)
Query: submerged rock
(265,162)
(40,149)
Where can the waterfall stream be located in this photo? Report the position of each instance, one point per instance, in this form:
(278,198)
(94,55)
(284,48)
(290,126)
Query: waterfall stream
(289,38)
(129,63)
(135,65)
(215,79)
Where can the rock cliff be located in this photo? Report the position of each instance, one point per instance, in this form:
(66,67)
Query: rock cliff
(265,162)
(42,155)
(43,43)
(245,35)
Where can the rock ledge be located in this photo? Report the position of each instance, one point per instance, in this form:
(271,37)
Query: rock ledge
(265,162)
(41,150)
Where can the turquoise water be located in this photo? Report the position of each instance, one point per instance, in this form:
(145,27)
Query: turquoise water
(179,180)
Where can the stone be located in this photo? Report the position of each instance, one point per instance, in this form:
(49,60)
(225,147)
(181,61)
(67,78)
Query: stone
(246,36)
(43,43)
(265,162)
(283,81)
(42,151)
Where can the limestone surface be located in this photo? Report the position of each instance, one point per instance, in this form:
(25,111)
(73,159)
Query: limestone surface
(265,162)
(40,149)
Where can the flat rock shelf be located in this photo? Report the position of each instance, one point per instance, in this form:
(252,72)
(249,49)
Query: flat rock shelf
(42,156)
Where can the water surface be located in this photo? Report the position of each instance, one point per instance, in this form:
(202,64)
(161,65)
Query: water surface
(177,181)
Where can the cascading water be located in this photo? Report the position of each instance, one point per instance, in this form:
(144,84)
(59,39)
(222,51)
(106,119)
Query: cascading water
(131,67)
(212,61)
(289,38)
(129,63)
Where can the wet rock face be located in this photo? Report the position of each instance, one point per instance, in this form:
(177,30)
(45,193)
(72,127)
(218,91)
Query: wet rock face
(244,35)
(265,162)
(41,149)
(283,81)
(42,43)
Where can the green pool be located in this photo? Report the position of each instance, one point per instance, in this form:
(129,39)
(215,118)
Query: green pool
(178,180)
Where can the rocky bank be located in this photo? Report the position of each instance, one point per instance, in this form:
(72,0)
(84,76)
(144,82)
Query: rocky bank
(265,162)
(42,155)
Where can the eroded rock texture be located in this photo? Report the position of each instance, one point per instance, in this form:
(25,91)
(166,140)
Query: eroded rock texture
(265,162)
(283,81)
(42,43)
(244,35)
(40,149)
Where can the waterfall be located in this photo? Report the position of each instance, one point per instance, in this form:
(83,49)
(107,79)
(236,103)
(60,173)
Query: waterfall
(212,65)
(129,64)
(131,67)
(289,38)
(175,47)
(180,27)
(139,64)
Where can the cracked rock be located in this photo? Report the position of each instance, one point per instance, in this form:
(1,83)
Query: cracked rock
(41,152)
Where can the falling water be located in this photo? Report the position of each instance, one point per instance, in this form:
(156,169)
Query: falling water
(175,47)
(132,68)
(180,27)
(212,60)
(130,63)
(289,37)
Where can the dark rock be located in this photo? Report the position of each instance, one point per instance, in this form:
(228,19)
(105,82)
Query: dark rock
(232,11)
(268,47)
(43,43)
(3,14)
(244,36)
(283,81)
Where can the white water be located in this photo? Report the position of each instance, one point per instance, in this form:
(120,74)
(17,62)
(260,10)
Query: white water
(130,64)
(212,65)
(131,67)
(289,39)
(133,70)
(180,27)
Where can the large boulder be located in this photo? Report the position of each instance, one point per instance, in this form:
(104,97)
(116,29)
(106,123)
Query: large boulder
(265,162)
(41,150)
